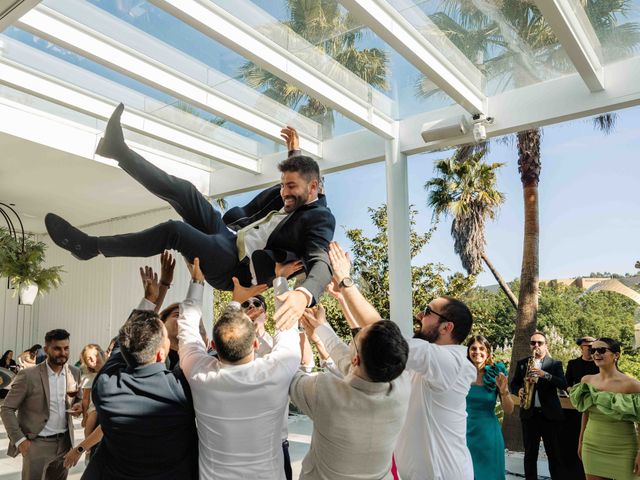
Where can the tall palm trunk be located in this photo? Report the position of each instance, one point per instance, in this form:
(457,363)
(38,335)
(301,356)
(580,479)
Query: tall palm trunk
(529,167)
(503,285)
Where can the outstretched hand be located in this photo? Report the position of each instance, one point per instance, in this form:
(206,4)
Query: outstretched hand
(241,294)
(333,289)
(287,269)
(293,304)
(196,273)
(312,319)
(290,136)
(150,284)
(167,265)
(340,262)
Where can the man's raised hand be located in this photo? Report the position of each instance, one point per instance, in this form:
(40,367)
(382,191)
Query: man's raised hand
(240,293)
(196,273)
(340,263)
(288,314)
(150,284)
(167,265)
(287,269)
(291,137)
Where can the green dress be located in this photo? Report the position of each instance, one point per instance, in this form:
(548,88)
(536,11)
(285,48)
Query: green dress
(609,442)
(484,436)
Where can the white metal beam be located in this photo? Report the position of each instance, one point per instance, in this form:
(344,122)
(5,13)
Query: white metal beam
(570,23)
(12,10)
(222,26)
(28,80)
(58,28)
(464,86)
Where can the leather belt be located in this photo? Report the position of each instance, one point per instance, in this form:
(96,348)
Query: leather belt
(55,435)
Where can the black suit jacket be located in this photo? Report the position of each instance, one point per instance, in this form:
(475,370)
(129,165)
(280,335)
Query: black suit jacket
(148,422)
(304,234)
(547,389)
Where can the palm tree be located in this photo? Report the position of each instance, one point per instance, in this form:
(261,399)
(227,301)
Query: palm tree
(332,31)
(465,188)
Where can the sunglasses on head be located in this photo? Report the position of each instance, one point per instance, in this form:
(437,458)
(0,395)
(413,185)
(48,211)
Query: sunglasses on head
(600,350)
(536,343)
(252,302)
(427,310)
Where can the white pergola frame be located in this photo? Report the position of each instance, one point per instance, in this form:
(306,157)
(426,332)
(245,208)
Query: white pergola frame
(595,88)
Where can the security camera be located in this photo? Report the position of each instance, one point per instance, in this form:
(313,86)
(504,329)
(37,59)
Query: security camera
(479,130)
(444,128)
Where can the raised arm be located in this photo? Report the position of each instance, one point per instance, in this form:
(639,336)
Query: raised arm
(191,345)
(315,323)
(334,290)
(363,312)
(167,266)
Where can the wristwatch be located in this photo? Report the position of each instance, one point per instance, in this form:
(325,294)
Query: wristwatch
(80,449)
(547,376)
(346,282)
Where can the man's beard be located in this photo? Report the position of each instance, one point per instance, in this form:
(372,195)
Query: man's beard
(431,336)
(59,360)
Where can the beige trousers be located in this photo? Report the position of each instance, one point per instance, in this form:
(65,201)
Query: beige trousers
(44,459)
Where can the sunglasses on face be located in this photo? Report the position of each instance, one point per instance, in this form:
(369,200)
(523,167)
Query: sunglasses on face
(428,310)
(252,302)
(536,343)
(600,350)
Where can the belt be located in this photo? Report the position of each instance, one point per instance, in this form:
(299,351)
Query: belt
(55,435)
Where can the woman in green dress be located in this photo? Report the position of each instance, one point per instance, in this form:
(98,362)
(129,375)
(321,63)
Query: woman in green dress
(610,402)
(484,436)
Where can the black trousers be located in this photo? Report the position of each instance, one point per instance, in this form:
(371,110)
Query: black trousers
(569,437)
(202,233)
(533,429)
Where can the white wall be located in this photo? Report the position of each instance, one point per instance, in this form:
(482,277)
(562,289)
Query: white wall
(96,296)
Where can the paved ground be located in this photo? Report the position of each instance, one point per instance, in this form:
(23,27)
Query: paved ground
(300,428)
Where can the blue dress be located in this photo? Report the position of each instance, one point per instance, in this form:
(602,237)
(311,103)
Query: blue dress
(484,435)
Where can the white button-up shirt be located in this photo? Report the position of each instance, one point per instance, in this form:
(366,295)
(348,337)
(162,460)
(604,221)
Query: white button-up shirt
(433,442)
(57,422)
(239,408)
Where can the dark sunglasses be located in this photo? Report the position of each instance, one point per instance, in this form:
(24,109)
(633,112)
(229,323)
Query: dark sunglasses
(600,350)
(427,310)
(535,343)
(252,302)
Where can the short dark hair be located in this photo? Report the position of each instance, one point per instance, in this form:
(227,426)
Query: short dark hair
(542,334)
(233,334)
(140,337)
(56,334)
(261,299)
(383,351)
(307,167)
(459,314)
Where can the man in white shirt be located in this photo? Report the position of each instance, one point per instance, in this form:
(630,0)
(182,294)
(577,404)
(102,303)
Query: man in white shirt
(42,397)
(239,400)
(432,443)
(356,417)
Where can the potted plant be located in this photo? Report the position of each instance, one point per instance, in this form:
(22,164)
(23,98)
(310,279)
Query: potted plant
(22,262)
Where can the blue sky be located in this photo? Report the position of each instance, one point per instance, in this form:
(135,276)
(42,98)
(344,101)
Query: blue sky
(589,202)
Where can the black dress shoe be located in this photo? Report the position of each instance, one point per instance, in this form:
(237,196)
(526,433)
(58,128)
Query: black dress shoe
(66,236)
(112,144)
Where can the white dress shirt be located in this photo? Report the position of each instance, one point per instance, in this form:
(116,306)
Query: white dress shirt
(355,422)
(433,444)
(57,422)
(239,408)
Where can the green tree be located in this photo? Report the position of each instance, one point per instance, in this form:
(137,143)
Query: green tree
(465,188)
(324,24)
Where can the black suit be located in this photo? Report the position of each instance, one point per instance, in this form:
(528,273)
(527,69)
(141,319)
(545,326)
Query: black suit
(148,421)
(544,421)
(204,233)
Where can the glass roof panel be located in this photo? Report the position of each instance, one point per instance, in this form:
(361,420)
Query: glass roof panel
(509,42)
(617,26)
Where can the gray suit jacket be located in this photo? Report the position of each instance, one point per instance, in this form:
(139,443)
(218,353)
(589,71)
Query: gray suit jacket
(29,396)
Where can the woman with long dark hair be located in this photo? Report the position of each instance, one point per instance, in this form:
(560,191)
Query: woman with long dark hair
(610,402)
(7,360)
(484,435)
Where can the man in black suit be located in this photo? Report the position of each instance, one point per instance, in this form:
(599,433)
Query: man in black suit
(282,223)
(544,418)
(146,411)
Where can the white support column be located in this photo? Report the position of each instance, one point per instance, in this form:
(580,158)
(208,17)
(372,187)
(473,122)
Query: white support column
(400,290)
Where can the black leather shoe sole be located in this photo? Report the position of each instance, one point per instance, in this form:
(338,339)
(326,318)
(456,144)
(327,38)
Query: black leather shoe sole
(65,235)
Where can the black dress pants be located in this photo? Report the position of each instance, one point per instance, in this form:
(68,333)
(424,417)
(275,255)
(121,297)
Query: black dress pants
(533,429)
(569,438)
(202,233)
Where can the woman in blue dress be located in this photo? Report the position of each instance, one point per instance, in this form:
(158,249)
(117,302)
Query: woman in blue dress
(484,435)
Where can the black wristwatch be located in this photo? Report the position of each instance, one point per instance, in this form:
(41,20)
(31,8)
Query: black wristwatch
(80,449)
(346,282)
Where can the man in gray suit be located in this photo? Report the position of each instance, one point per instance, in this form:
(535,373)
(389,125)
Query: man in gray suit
(44,398)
